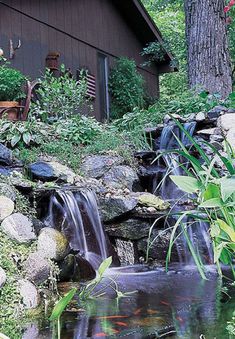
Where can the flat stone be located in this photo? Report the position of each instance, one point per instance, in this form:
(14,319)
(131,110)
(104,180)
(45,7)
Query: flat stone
(5,156)
(115,206)
(95,166)
(6,207)
(29,294)
(37,268)
(120,177)
(51,171)
(132,229)
(18,227)
(150,200)
(207,131)
(3,277)
(226,121)
(52,244)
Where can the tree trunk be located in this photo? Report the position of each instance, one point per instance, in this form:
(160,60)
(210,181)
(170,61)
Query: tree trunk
(209,66)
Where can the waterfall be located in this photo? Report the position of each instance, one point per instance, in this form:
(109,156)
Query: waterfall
(197,231)
(76,215)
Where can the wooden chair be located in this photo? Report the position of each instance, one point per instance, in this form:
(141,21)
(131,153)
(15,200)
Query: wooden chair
(22,110)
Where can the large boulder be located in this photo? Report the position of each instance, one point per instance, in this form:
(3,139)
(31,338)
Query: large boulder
(226,121)
(96,166)
(6,207)
(18,227)
(52,244)
(36,268)
(3,277)
(120,177)
(51,171)
(112,207)
(29,294)
(5,156)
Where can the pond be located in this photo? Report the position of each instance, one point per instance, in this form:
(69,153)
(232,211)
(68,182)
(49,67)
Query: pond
(177,304)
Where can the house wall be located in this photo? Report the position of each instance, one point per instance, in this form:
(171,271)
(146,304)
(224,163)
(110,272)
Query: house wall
(77,29)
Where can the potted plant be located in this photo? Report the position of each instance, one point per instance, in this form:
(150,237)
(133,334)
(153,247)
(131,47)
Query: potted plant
(11,92)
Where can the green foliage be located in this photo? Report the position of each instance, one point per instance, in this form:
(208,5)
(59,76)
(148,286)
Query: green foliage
(79,129)
(155,52)
(215,196)
(126,87)
(30,132)
(59,97)
(11,83)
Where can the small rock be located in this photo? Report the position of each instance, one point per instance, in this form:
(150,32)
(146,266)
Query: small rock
(6,207)
(29,294)
(3,277)
(151,210)
(52,244)
(120,177)
(216,138)
(207,131)
(201,116)
(5,156)
(19,228)
(37,268)
(96,166)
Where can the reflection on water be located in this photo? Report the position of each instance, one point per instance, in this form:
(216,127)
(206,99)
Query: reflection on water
(177,304)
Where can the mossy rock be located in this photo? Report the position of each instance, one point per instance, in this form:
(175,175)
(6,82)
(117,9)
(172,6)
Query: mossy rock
(52,244)
(150,200)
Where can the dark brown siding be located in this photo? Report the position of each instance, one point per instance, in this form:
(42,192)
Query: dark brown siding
(77,29)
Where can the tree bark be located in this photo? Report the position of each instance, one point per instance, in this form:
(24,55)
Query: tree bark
(209,65)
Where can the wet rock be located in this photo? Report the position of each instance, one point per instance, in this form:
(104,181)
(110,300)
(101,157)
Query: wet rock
(5,156)
(160,246)
(226,121)
(3,277)
(215,112)
(6,207)
(38,225)
(67,268)
(29,294)
(150,200)
(7,191)
(120,177)
(96,166)
(127,252)
(37,268)
(83,270)
(18,227)
(201,116)
(52,244)
(116,206)
(133,229)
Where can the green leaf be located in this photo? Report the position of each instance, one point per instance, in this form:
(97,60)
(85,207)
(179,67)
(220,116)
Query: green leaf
(212,203)
(227,187)
(187,184)
(16,138)
(27,138)
(62,304)
(227,229)
(104,266)
(212,191)
(215,230)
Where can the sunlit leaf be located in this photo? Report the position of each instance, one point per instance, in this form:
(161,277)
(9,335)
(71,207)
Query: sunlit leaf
(104,266)
(62,304)
(212,203)
(227,229)
(187,184)
(227,187)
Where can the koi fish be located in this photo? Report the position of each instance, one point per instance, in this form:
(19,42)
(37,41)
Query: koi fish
(101,334)
(119,323)
(180,319)
(138,311)
(152,312)
(165,303)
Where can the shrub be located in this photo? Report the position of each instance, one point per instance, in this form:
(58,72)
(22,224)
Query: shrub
(11,83)
(59,97)
(79,129)
(30,132)
(126,87)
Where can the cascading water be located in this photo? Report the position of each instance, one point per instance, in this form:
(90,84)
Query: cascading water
(197,231)
(77,215)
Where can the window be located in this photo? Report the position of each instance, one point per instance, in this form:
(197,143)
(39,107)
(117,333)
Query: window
(103,86)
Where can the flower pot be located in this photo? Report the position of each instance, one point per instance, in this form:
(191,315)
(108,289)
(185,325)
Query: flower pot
(9,109)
